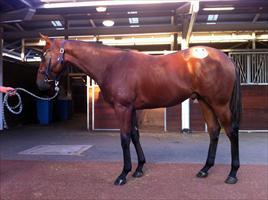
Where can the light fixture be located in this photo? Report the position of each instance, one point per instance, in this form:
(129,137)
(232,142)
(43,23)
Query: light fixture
(108,23)
(134,26)
(213,17)
(210,23)
(12,56)
(56,23)
(48,4)
(132,12)
(218,8)
(101,9)
(133,20)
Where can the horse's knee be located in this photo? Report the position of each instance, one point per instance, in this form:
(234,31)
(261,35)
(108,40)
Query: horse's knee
(125,141)
(135,136)
(214,133)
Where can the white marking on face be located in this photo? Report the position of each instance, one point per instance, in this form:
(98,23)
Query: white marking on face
(199,52)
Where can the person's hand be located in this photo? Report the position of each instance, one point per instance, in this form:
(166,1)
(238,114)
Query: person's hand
(9,90)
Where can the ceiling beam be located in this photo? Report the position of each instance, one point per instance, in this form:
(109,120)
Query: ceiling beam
(193,11)
(19,26)
(26,3)
(95,31)
(9,26)
(17,15)
(198,27)
(86,15)
(92,23)
(203,27)
(256,18)
(183,9)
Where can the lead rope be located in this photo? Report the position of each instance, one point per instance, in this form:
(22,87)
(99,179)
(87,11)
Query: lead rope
(19,105)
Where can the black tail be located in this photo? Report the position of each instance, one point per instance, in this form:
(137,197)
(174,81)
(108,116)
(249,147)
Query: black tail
(235,104)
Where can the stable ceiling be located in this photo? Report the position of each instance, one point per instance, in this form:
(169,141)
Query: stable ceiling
(27,18)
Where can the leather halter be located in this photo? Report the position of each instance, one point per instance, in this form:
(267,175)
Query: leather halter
(60,60)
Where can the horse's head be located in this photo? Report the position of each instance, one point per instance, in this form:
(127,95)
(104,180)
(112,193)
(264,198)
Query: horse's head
(51,65)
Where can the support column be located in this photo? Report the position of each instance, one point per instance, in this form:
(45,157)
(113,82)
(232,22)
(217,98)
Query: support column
(185,106)
(188,24)
(1,78)
(22,54)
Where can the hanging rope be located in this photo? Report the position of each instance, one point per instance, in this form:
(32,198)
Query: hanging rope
(17,109)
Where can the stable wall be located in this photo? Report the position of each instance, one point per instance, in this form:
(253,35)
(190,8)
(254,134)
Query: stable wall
(254,113)
(255,107)
(21,75)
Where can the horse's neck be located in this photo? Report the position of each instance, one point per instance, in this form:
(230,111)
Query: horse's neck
(91,59)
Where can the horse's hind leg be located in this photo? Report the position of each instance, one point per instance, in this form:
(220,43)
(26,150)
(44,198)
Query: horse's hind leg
(213,130)
(135,136)
(224,114)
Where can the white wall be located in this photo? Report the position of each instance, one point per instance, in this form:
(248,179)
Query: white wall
(1,82)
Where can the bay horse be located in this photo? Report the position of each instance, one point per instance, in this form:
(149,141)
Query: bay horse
(131,80)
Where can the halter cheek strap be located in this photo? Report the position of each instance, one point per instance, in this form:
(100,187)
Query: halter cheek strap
(60,61)
(61,57)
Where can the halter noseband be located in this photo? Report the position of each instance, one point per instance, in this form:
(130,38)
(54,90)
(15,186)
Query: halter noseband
(60,60)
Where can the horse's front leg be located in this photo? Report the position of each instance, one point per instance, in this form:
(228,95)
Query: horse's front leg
(124,116)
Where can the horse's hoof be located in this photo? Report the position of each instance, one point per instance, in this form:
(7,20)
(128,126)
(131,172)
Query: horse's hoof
(231,180)
(137,174)
(120,181)
(201,174)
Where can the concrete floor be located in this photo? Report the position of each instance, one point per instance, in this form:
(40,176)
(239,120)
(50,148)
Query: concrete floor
(173,159)
(158,147)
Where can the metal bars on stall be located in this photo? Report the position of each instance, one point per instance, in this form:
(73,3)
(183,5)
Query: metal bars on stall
(253,67)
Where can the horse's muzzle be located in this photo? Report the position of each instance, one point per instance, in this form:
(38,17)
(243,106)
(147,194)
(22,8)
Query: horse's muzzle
(43,85)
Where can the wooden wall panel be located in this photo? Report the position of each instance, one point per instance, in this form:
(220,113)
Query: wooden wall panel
(197,122)
(174,118)
(254,116)
(254,107)
(105,117)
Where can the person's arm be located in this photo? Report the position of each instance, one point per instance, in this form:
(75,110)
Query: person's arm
(6,89)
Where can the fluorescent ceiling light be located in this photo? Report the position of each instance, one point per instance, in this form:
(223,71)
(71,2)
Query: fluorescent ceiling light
(133,26)
(108,23)
(101,9)
(213,17)
(133,20)
(105,3)
(218,8)
(34,59)
(132,12)
(11,56)
(211,23)
(56,23)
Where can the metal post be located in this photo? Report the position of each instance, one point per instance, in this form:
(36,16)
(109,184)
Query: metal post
(253,40)
(88,84)
(1,78)
(93,109)
(22,54)
(248,68)
(185,106)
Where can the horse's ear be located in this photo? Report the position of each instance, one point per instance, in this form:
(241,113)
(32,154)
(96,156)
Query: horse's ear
(44,37)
